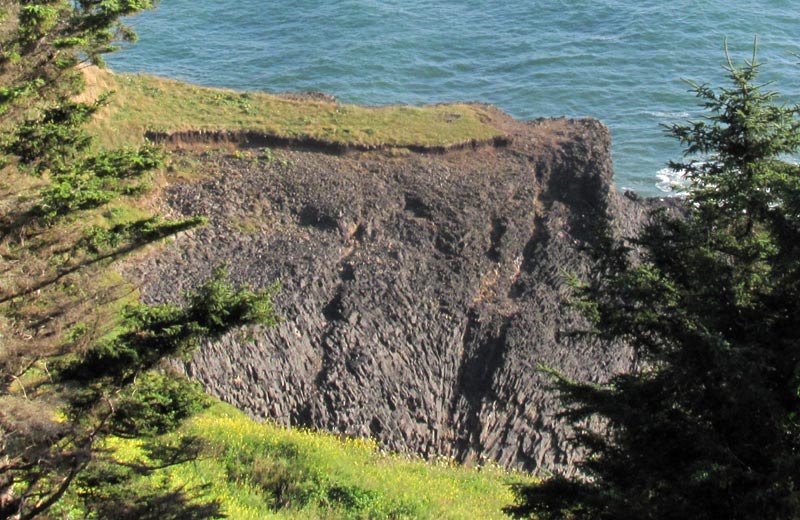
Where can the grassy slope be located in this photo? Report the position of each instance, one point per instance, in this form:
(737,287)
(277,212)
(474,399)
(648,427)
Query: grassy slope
(149,103)
(325,476)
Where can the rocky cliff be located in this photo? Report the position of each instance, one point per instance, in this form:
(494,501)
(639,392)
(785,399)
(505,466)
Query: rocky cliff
(419,291)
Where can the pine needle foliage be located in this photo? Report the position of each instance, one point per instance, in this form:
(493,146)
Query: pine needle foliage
(63,392)
(706,426)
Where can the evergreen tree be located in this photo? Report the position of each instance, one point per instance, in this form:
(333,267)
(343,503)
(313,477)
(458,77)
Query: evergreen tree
(707,424)
(62,392)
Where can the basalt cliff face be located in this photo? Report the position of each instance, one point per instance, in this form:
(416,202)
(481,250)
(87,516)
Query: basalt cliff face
(419,292)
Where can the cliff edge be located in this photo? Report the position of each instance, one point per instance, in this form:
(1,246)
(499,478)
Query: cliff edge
(420,291)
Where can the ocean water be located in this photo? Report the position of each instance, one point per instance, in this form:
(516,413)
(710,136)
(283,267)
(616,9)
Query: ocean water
(622,61)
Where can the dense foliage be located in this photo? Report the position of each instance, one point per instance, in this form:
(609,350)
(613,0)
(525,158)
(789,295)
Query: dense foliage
(73,369)
(707,424)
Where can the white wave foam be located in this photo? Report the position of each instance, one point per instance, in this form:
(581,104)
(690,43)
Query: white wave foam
(673,182)
(668,115)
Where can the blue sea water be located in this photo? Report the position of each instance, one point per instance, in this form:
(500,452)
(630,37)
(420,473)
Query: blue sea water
(621,61)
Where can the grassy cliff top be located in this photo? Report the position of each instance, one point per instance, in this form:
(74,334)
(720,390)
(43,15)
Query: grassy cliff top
(146,103)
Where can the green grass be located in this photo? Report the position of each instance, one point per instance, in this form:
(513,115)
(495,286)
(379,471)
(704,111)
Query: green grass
(260,470)
(149,103)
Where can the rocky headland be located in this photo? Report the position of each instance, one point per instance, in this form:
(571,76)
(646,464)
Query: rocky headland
(421,290)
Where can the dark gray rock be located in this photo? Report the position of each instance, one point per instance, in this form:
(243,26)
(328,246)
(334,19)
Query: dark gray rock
(420,292)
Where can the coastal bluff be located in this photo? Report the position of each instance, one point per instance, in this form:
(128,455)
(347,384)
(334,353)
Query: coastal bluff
(420,292)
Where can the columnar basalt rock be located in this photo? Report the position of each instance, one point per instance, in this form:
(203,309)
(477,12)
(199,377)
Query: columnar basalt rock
(420,292)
